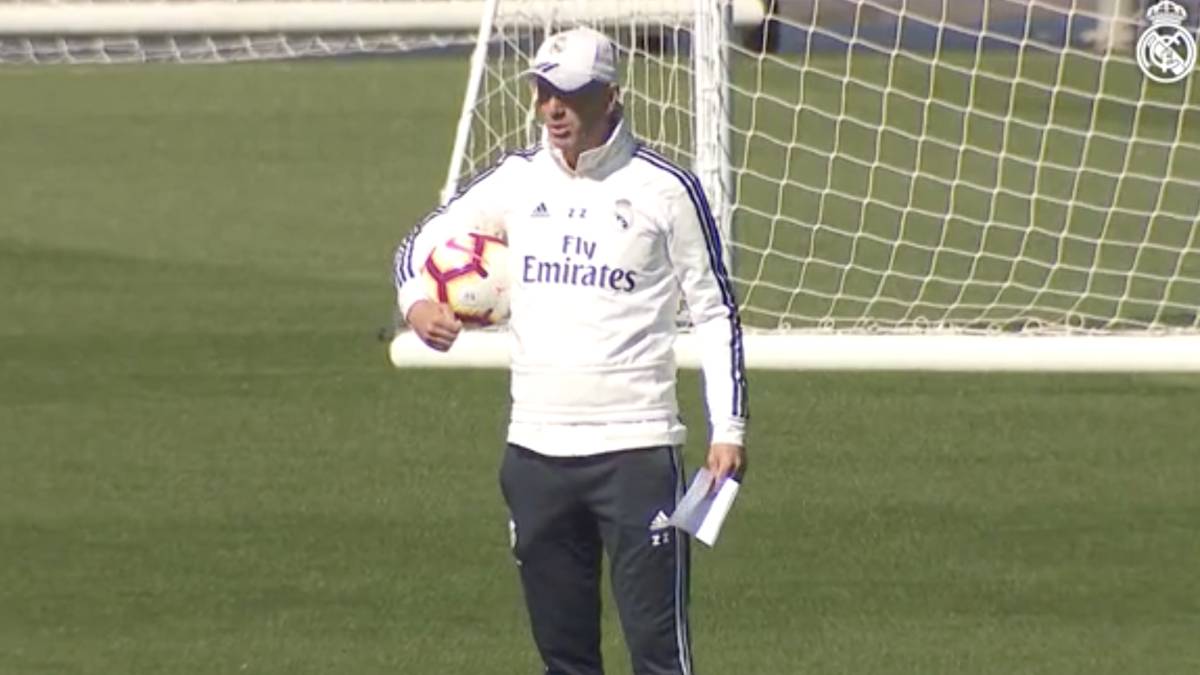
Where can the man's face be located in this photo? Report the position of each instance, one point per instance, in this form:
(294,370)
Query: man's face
(575,121)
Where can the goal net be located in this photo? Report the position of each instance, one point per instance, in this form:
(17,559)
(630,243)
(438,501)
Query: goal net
(931,169)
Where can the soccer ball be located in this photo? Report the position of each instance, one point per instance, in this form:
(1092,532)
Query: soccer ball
(469,272)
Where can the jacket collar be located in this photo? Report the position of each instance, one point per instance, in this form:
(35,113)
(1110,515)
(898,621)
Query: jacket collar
(599,161)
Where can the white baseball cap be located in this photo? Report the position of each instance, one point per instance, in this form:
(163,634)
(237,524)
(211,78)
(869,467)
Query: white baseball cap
(572,59)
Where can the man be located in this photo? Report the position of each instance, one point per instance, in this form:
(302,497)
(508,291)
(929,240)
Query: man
(604,237)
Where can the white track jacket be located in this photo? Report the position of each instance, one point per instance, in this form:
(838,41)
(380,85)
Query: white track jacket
(599,257)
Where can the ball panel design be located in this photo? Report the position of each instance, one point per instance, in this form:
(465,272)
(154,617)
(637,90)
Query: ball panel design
(469,273)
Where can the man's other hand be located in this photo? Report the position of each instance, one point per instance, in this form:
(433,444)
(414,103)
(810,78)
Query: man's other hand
(725,460)
(434,323)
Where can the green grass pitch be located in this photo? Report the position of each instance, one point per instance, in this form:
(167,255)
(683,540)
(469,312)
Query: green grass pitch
(207,464)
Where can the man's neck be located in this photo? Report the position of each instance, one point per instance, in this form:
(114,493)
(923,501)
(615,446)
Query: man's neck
(572,158)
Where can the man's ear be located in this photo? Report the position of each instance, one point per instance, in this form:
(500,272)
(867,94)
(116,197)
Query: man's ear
(614,99)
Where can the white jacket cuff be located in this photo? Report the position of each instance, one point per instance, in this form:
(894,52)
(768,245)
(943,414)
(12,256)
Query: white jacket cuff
(409,294)
(730,431)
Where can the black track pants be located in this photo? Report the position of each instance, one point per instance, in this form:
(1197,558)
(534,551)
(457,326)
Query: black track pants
(565,512)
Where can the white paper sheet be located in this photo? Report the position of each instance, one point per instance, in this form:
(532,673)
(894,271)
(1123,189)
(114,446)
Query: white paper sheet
(701,512)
